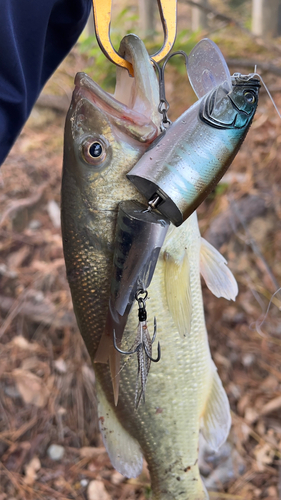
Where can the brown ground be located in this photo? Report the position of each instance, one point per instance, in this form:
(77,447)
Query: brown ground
(46,379)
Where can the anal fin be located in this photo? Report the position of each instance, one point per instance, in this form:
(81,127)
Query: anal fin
(216,419)
(123,450)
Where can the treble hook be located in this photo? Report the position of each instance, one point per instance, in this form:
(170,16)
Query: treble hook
(102,17)
(142,346)
(152,342)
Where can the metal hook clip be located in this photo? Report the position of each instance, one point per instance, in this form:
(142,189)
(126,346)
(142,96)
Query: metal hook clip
(102,17)
(164,106)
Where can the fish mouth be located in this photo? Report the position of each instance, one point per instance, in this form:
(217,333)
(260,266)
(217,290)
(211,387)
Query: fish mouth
(134,105)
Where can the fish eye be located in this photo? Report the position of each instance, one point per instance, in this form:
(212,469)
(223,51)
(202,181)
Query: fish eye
(250,97)
(93,152)
(95,149)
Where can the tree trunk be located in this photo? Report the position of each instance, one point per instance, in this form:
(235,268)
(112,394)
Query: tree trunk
(147,17)
(199,17)
(266,17)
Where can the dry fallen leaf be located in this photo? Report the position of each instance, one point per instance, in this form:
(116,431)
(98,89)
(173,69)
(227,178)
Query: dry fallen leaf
(60,365)
(264,455)
(16,259)
(31,388)
(270,383)
(30,470)
(271,406)
(22,343)
(251,415)
(97,491)
(91,452)
(117,478)
(54,213)
(272,492)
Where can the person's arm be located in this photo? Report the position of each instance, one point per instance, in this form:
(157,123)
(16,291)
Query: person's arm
(35,36)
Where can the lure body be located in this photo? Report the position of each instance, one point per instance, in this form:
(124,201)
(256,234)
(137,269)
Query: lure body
(183,390)
(186,163)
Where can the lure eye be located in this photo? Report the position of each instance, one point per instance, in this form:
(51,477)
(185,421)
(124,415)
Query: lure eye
(250,97)
(93,152)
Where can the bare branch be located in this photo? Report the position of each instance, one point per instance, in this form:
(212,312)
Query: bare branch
(16,205)
(250,63)
(230,20)
(45,312)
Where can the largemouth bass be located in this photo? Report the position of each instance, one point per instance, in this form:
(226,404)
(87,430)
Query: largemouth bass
(104,138)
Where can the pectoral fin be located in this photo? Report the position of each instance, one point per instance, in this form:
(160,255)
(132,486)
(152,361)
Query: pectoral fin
(177,281)
(216,420)
(213,267)
(123,450)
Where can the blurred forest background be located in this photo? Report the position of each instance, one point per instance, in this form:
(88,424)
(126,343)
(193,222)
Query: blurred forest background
(49,444)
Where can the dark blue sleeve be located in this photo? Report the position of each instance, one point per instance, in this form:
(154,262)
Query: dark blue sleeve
(35,36)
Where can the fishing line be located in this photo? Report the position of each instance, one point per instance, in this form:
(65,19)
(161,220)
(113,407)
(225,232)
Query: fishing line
(258,324)
(124,364)
(260,321)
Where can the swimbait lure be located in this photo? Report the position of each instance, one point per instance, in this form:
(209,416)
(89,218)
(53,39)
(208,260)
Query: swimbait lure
(182,166)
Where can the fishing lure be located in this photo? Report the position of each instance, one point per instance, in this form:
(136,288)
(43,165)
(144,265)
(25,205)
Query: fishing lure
(181,167)
(142,346)
(139,236)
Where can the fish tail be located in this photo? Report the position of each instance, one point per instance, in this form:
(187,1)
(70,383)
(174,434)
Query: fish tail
(180,487)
